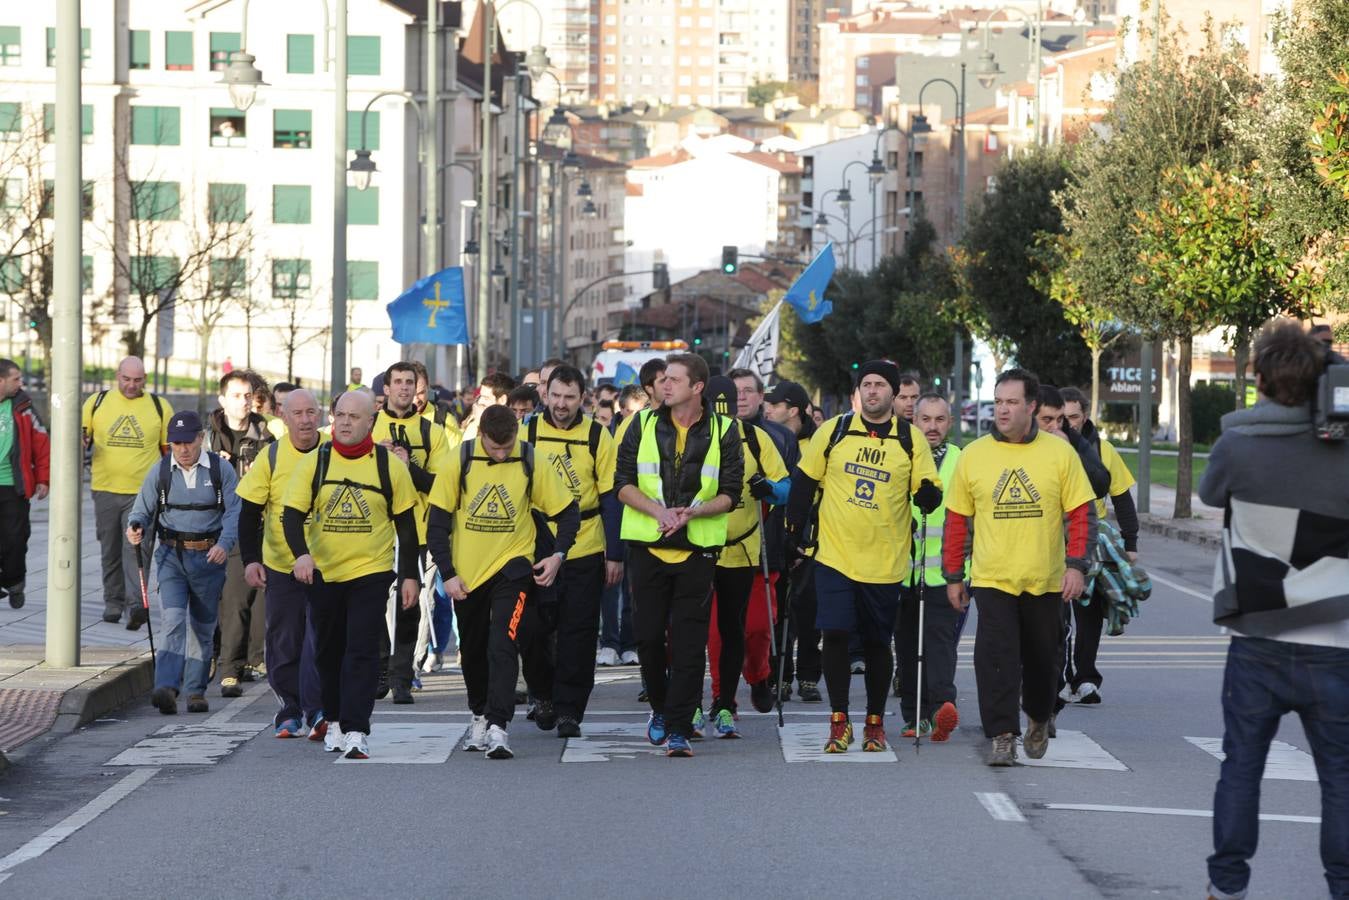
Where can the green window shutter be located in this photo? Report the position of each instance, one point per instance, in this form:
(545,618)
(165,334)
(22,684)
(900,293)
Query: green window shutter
(155,125)
(11,117)
(229,277)
(226,203)
(10,45)
(223,43)
(354,130)
(300,54)
(87,119)
(11,275)
(292,128)
(178,50)
(362,279)
(155,201)
(363,54)
(87,274)
(49,120)
(291,204)
(152,274)
(362,206)
(290,278)
(84,47)
(140,49)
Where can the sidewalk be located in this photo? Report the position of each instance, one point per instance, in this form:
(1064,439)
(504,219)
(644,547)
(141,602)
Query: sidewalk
(1203,528)
(114,665)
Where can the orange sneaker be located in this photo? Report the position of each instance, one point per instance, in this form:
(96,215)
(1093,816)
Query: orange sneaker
(873,735)
(944,722)
(840,733)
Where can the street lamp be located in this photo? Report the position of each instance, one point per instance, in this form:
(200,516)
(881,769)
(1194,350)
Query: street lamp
(362,169)
(844,198)
(989,70)
(243,78)
(585,191)
(821,222)
(589,209)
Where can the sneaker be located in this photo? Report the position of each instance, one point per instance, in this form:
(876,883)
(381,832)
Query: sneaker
(628,658)
(248,673)
(1068,695)
(402,693)
(761,696)
(809,692)
(498,747)
(290,728)
(655,729)
(333,740)
(545,716)
(944,722)
(859,667)
(318,729)
(678,745)
(1053,725)
(112,613)
(840,733)
(1088,693)
(382,686)
(229,687)
(895,687)
(607,656)
(1003,750)
(924,728)
(434,663)
(568,727)
(354,745)
(873,734)
(477,734)
(16,602)
(139,615)
(1036,739)
(643,696)
(699,724)
(786,692)
(724,723)
(196,703)
(165,700)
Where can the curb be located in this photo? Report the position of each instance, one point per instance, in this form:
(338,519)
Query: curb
(101,694)
(1180,531)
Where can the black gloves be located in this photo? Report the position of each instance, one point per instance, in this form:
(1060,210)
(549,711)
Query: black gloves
(760,488)
(927,497)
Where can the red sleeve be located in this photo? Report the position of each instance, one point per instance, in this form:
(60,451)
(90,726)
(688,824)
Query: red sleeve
(954,536)
(1079,527)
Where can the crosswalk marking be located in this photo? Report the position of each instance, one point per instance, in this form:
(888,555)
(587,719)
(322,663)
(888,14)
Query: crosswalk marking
(607,741)
(1000,806)
(414,743)
(1074,750)
(1168,811)
(803,742)
(1284,763)
(201,744)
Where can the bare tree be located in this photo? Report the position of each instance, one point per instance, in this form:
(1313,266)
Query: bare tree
(296,302)
(27,231)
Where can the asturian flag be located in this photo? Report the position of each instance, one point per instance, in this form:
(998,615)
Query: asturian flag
(432,310)
(806,294)
(761,353)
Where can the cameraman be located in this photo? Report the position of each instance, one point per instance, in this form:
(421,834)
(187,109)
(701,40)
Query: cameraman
(1282,590)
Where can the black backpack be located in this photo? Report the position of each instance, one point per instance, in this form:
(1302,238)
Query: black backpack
(166,481)
(844,423)
(103,395)
(385,486)
(532,429)
(466,457)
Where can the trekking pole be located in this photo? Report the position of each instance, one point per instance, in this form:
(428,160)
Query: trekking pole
(918,687)
(145,605)
(768,599)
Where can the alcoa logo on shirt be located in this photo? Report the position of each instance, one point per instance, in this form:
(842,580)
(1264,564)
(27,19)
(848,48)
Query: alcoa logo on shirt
(1015,496)
(867,474)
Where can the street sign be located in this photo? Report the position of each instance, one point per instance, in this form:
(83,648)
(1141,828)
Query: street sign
(1122,376)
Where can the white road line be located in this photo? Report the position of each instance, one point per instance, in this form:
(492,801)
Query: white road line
(1000,806)
(425,743)
(1074,750)
(230,710)
(1284,762)
(199,744)
(607,741)
(1165,811)
(804,743)
(1199,595)
(76,820)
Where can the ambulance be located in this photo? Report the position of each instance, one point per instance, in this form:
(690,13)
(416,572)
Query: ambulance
(618,362)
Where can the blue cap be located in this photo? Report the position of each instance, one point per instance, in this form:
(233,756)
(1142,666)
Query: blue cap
(184,427)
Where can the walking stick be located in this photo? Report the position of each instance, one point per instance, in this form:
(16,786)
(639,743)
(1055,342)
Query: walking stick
(918,688)
(768,602)
(145,605)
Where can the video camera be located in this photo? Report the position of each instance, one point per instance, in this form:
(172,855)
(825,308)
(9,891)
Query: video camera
(1330,407)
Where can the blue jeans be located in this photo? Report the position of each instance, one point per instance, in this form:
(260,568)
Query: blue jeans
(616,618)
(1264,680)
(189,597)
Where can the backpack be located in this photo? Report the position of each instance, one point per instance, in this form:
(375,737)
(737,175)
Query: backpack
(752,441)
(593,443)
(103,395)
(385,486)
(844,423)
(466,457)
(166,480)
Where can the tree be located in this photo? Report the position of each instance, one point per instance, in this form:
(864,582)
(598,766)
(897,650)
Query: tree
(27,229)
(1001,296)
(764,92)
(295,333)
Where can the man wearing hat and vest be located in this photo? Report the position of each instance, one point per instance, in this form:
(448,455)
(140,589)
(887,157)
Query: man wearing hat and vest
(189,497)
(680,473)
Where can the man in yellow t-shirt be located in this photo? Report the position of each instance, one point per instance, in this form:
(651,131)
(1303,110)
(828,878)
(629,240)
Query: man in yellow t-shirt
(865,467)
(582,453)
(292,672)
(354,495)
(490,566)
(129,432)
(1015,489)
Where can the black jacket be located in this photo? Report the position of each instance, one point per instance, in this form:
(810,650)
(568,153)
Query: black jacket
(681,484)
(242,451)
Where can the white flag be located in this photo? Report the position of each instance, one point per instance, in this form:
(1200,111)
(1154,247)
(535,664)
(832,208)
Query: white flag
(760,355)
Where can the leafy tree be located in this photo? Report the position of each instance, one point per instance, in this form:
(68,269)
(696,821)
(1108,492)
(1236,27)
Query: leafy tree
(762,92)
(1001,296)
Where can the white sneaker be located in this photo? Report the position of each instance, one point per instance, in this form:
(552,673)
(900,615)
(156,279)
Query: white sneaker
(1068,695)
(477,734)
(434,663)
(629,658)
(354,745)
(607,656)
(497,745)
(859,668)
(334,741)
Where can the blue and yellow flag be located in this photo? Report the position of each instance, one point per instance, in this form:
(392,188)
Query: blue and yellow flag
(432,310)
(806,294)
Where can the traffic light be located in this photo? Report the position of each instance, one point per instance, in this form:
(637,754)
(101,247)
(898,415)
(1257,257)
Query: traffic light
(697,340)
(730,259)
(855,367)
(660,276)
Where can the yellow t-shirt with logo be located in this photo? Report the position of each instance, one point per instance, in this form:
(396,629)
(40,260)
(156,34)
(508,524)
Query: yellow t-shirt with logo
(664,554)
(426,445)
(1018,495)
(744,519)
(454,436)
(493,525)
(865,519)
(128,438)
(568,452)
(267,488)
(350,532)
(1121,479)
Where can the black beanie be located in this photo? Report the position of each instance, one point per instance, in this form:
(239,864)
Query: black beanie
(882,367)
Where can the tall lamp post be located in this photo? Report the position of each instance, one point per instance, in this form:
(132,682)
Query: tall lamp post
(875,174)
(989,70)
